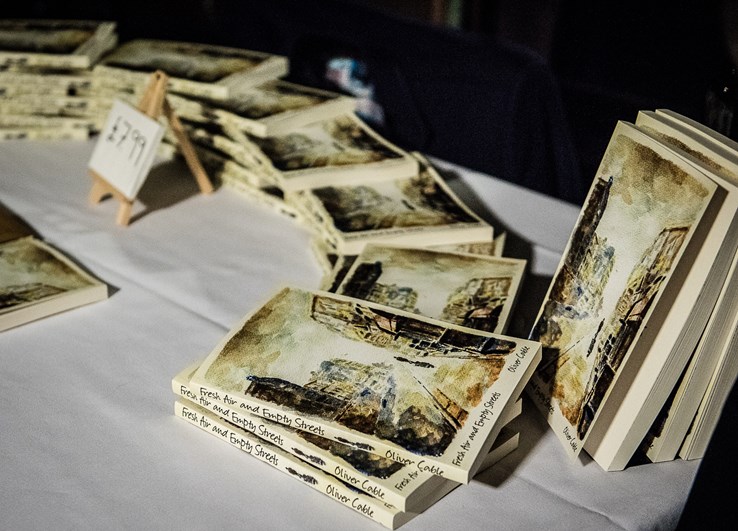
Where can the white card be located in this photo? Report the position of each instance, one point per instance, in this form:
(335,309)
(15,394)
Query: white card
(126,148)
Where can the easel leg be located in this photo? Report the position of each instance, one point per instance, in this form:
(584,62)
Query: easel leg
(97,192)
(124,213)
(188,151)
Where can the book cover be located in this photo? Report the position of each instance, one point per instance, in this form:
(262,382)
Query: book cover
(342,150)
(42,133)
(420,210)
(193,68)
(61,44)
(36,281)
(418,391)
(271,109)
(468,290)
(641,211)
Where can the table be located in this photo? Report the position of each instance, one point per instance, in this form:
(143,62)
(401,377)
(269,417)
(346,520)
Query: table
(88,439)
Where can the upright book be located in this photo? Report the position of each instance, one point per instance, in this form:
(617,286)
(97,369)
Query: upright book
(631,296)
(717,158)
(418,391)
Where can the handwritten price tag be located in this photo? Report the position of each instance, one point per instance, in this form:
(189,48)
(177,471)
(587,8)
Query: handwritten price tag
(126,148)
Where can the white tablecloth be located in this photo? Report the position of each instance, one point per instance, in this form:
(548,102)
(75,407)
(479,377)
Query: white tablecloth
(88,439)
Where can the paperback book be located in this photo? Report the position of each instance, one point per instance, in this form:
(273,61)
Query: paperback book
(60,44)
(419,210)
(671,426)
(384,479)
(468,290)
(382,513)
(631,296)
(339,151)
(422,392)
(195,69)
(36,280)
(274,108)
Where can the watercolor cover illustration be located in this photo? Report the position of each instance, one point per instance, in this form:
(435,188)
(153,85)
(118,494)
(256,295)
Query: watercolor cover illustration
(468,290)
(639,214)
(36,280)
(420,210)
(270,109)
(412,389)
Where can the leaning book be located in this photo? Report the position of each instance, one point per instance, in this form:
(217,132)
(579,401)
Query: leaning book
(617,324)
(36,281)
(419,391)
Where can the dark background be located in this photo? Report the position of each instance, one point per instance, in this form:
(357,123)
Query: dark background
(527,90)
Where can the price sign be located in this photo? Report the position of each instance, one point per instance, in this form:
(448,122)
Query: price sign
(126,148)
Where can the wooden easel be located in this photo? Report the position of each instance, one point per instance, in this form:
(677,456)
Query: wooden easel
(153,103)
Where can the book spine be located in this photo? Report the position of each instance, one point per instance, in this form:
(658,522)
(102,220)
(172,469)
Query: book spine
(9,60)
(268,411)
(292,443)
(284,462)
(37,133)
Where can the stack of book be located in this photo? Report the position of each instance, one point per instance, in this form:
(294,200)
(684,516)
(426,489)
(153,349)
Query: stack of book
(383,410)
(640,324)
(46,89)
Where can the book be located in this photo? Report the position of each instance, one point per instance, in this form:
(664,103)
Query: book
(49,105)
(235,177)
(46,81)
(196,69)
(721,382)
(418,210)
(12,226)
(382,478)
(35,121)
(719,340)
(330,485)
(464,289)
(60,44)
(336,266)
(42,133)
(670,428)
(37,280)
(342,150)
(630,297)
(273,108)
(223,142)
(419,391)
